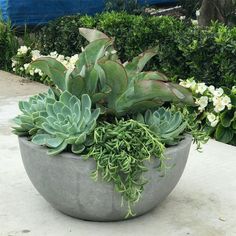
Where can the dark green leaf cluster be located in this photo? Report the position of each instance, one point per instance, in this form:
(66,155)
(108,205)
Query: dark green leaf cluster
(8,45)
(183,50)
(130,6)
(120,151)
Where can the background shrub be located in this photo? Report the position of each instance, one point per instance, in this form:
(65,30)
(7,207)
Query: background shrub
(184,50)
(8,45)
(130,6)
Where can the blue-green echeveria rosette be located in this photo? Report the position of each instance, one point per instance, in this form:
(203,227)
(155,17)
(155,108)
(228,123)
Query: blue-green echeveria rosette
(70,121)
(33,110)
(168,126)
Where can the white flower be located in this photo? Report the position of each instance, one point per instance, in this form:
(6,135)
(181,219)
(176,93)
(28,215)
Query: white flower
(70,66)
(38,71)
(194,22)
(14,69)
(211,117)
(226,100)
(198,13)
(215,122)
(74,59)
(22,50)
(21,68)
(189,83)
(211,89)
(229,106)
(60,58)
(201,88)
(31,72)
(26,66)
(113,52)
(35,54)
(54,54)
(14,63)
(218,104)
(202,102)
(234,89)
(182,17)
(218,92)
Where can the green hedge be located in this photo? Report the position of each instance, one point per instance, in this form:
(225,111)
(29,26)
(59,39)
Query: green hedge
(8,45)
(184,50)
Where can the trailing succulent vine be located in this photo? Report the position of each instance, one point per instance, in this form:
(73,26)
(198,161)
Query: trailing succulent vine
(88,113)
(120,151)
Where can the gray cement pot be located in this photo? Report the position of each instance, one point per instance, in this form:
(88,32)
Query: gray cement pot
(64,181)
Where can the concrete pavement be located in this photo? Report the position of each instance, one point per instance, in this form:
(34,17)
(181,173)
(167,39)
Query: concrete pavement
(202,204)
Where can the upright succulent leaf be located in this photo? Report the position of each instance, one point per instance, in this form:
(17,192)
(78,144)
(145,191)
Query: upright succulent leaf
(95,50)
(53,69)
(139,62)
(116,78)
(92,34)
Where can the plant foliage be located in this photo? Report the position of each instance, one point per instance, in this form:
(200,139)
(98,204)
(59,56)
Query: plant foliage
(118,89)
(184,50)
(32,112)
(8,45)
(120,151)
(168,126)
(69,121)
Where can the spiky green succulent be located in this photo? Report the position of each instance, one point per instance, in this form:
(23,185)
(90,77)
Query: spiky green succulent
(69,121)
(29,122)
(115,87)
(165,124)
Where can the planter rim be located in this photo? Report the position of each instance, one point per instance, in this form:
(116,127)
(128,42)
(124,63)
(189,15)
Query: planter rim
(71,155)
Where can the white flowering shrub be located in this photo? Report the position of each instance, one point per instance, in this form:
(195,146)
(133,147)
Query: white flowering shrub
(25,55)
(216,108)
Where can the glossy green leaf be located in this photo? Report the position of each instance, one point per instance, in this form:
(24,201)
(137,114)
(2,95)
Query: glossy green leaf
(227,118)
(223,134)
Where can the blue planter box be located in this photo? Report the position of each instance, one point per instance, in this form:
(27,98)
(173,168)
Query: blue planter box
(34,12)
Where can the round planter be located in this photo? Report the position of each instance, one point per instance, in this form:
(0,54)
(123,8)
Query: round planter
(64,181)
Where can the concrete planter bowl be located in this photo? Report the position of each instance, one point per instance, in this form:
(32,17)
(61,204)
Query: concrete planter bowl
(64,181)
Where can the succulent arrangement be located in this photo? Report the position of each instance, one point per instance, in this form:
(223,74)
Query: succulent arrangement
(107,110)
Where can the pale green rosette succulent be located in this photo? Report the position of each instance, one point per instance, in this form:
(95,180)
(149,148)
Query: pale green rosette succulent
(29,122)
(168,126)
(70,121)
